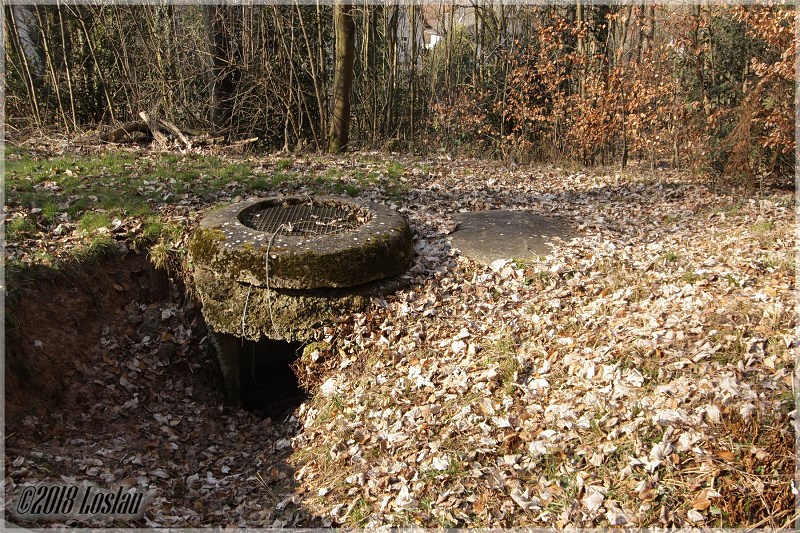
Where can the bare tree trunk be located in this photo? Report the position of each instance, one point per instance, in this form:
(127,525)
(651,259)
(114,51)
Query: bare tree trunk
(624,161)
(97,65)
(344,28)
(289,95)
(699,58)
(67,70)
(412,79)
(124,67)
(16,41)
(223,83)
(449,51)
(48,57)
(391,32)
(313,66)
(580,19)
(369,61)
(647,30)
(622,41)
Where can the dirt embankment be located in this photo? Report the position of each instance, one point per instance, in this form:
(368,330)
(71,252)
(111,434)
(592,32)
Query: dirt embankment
(109,379)
(62,324)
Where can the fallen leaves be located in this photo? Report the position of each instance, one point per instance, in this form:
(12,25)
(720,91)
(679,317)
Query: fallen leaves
(622,351)
(612,383)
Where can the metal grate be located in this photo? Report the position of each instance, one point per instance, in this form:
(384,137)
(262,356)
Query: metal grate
(303,219)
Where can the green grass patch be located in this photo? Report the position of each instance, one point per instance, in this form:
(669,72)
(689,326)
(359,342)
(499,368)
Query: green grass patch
(236,172)
(670,256)
(733,207)
(360,514)
(328,410)
(395,170)
(764,226)
(350,189)
(26,167)
(154,229)
(282,176)
(691,277)
(94,220)
(94,248)
(184,176)
(120,182)
(396,191)
(522,263)
(11,151)
(353,183)
(160,255)
(151,230)
(260,183)
(140,210)
(503,353)
(763,230)
(332,173)
(49,212)
(19,228)
(71,184)
(540,279)
(170,159)
(161,238)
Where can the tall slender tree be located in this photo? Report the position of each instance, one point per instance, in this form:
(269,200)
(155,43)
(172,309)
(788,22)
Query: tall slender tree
(218,21)
(345,33)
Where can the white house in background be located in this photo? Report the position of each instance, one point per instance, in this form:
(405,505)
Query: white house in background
(431,39)
(434,20)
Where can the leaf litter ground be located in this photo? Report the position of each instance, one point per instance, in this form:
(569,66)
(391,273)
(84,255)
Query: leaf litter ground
(640,374)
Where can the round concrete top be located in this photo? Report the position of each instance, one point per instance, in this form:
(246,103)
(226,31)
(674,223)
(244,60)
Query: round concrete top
(380,246)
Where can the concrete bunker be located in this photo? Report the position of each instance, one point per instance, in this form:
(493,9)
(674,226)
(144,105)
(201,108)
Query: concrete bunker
(271,270)
(268,386)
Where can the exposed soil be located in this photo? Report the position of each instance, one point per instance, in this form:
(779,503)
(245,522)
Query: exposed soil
(65,321)
(109,377)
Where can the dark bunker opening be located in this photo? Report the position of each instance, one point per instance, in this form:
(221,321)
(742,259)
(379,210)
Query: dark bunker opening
(268,384)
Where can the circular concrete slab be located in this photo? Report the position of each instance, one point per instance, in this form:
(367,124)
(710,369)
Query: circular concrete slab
(486,236)
(320,242)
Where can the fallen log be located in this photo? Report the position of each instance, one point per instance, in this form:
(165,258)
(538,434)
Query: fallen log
(157,135)
(174,129)
(126,130)
(156,129)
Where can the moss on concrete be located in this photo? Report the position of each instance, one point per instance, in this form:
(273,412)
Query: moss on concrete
(205,244)
(318,346)
(294,314)
(383,255)
(380,248)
